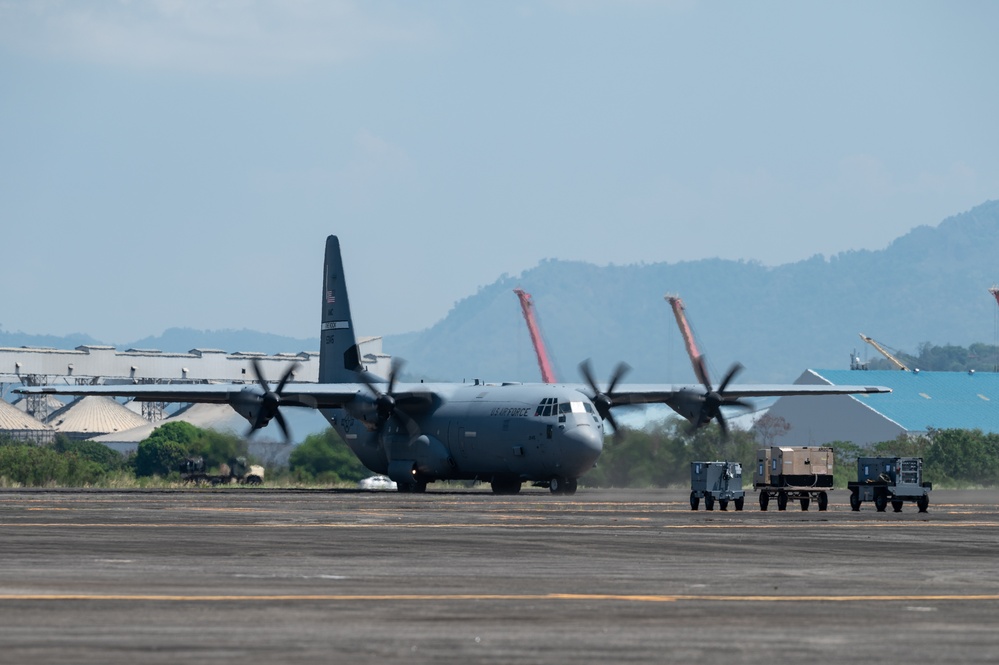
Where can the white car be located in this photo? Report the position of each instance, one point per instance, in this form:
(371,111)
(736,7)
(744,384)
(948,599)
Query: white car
(377,483)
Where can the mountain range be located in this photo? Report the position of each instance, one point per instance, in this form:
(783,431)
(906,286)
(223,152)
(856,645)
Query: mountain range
(929,285)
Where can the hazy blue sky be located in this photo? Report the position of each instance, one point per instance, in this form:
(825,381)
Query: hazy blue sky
(180,162)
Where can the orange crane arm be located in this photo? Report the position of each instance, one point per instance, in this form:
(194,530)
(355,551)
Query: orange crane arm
(696,357)
(544,363)
(883,351)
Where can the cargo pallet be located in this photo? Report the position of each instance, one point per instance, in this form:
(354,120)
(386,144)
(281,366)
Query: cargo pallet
(799,474)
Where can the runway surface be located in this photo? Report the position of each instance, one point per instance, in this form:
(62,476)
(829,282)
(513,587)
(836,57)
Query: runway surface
(271,576)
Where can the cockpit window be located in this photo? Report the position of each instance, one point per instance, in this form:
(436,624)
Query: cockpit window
(548,407)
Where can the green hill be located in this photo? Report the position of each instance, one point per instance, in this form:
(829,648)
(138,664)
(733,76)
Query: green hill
(927,286)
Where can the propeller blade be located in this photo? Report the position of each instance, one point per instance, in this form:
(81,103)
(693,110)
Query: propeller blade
(267,404)
(619,372)
(259,374)
(584,368)
(723,426)
(735,369)
(386,404)
(603,401)
(284,426)
(287,375)
(701,369)
(613,423)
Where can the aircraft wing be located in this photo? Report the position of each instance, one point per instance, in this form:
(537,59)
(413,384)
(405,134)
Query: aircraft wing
(664,394)
(326,395)
(700,405)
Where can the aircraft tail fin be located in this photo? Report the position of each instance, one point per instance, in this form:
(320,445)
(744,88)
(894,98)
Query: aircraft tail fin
(339,359)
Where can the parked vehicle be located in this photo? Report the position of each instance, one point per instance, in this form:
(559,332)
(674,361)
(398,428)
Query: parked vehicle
(716,481)
(894,480)
(238,470)
(377,483)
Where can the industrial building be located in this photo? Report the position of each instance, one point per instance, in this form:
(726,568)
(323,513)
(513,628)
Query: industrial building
(18,425)
(39,417)
(919,401)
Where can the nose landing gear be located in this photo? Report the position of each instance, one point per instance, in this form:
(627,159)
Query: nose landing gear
(562,485)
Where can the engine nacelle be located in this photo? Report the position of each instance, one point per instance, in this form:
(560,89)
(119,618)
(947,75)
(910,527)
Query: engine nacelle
(248,403)
(425,457)
(689,404)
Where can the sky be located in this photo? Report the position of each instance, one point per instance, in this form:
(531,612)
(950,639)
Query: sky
(181,162)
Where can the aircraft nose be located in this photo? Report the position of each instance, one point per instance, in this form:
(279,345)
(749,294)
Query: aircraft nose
(581,447)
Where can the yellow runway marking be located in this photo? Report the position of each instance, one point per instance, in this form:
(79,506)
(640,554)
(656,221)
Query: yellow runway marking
(635,598)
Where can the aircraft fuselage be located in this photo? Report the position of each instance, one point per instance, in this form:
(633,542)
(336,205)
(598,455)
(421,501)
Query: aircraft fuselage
(491,432)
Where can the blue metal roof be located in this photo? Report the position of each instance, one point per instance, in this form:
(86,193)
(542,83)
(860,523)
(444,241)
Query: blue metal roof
(919,400)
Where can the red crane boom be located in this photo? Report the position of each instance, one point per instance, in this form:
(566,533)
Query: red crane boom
(544,363)
(696,357)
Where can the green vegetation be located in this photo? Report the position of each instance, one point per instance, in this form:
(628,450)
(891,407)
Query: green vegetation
(948,358)
(951,457)
(658,456)
(171,443)
(61,464)
(325,459)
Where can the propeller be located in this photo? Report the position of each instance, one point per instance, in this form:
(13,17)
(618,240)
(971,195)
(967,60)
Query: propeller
(266,406)
(386,405)
(713,400)
(603,401)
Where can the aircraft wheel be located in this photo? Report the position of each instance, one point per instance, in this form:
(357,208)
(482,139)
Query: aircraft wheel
(805,502)
(923,503)
(739,503)
(823,501)
(694,500)
(570,486)
(881,502)
(557,485)
(709,502)
(855,501)
(416,487)
(764,501)
(896,506)
(723,504)
(782,500)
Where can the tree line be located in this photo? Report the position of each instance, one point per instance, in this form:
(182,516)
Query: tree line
(656,456)
(321,459)
(929,357)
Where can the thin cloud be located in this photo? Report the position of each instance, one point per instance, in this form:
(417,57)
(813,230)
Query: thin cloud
(244,37)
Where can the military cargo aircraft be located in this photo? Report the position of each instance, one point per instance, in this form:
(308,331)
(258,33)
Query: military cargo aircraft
(416,433)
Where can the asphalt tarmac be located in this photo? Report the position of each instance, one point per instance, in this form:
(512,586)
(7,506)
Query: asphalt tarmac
(272,576)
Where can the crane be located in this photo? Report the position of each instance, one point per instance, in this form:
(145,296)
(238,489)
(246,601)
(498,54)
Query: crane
(696,357)
(544,362)
(716,397)
(883,351)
